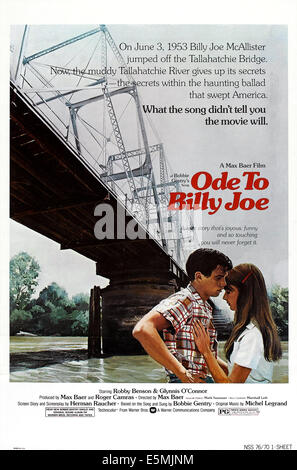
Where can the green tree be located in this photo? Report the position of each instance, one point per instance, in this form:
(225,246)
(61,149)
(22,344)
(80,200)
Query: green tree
(24,272)
(55,311)
(20,320)
(52,313)
(80,315)
(279,297)
(38,314)
(80,323)
(81,301)
(53,293)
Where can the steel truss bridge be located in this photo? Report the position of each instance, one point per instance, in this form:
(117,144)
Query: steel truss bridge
(79,139)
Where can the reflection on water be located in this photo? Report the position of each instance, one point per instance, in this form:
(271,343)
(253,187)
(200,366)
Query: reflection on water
(46,343)
(115,369)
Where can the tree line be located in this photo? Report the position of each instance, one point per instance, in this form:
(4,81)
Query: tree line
(54,313)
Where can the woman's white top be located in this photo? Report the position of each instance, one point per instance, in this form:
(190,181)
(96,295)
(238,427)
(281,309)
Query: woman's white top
(248,351)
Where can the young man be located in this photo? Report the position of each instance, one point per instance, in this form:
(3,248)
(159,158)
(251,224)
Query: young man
(207,270)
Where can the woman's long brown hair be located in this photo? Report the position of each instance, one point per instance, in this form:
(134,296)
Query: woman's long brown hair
(253,305)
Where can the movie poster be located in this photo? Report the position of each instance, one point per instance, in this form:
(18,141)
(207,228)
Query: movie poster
(184,128)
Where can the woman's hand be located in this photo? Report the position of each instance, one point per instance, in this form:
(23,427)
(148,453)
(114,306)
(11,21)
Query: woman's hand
(201,337)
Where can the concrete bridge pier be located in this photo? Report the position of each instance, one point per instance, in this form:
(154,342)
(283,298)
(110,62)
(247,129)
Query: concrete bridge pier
(123,304)
(135,288)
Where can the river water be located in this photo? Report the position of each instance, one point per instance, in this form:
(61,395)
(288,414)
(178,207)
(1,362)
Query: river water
(64,359)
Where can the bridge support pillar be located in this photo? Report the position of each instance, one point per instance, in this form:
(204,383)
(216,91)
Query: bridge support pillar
(95,333)
(123,304)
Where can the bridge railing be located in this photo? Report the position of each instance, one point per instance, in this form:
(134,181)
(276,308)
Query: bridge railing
(102,124)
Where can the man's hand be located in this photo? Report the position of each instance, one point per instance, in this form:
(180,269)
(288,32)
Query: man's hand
(198,379)
(147,333)
(201,337)
(187,377)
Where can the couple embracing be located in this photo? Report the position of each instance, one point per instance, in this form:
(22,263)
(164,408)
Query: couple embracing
(189,349)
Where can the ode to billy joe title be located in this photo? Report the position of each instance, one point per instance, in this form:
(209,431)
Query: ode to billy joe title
(202,181)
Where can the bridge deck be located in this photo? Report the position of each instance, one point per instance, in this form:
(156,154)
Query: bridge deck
(54,193)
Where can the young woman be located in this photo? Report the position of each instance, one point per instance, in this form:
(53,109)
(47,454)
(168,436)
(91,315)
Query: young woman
(254,344)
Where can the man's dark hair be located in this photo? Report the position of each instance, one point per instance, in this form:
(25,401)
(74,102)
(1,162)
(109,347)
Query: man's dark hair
(206,260)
